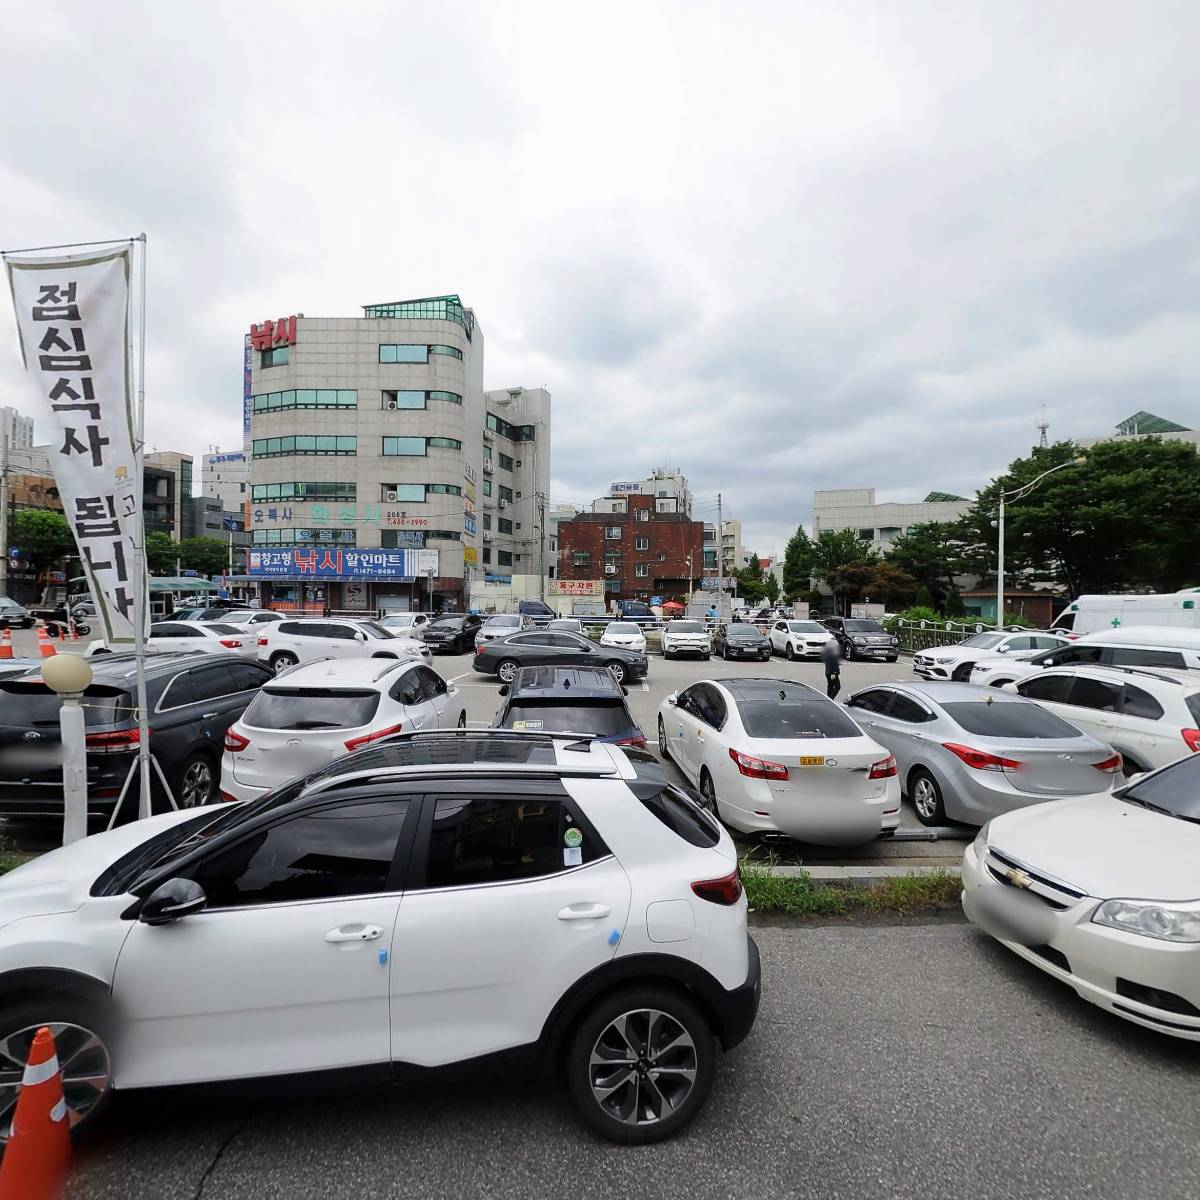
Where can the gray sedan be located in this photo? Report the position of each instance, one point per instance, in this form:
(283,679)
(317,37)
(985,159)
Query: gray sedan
(966,754)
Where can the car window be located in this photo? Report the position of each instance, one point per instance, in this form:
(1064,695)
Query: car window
(294,627)
(495,839)
(1131,656)
(1070,655)
(687,699)
(342,633)
(249,675)
(172,629)
(681,816)
(178,692)
(225,629)
(432,684)
(1097,694)
(1137,702)
(623,627)
(568,641)
(1046,687)
(814,718)
(685,627)
(311,708)
(1046,643)
(905,708)
(983,641)
(208,683)
(813,627)
(603,718)
(711,707)
(861,626)
(407,689)
(875,700)
(25,703)
(306,628)
(343,850)
(744,633)
(537,639)
(1020,643)
(1008,720)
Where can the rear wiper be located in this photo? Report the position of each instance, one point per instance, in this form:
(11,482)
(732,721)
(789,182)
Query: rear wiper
(1158,808)
(314,725)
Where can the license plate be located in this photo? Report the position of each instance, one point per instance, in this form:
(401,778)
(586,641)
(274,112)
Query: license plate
(812,760)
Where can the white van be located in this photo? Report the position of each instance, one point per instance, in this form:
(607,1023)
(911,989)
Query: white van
(1097,614)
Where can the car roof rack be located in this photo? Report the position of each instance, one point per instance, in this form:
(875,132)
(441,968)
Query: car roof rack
(1177,675)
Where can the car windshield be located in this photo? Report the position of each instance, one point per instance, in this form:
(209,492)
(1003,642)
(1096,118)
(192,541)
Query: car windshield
(744,633)
(857,626)
(1175,791)
(446,623)
(685,627)
(983,641)
(806,627)
(376,631)
(573,626)
(1003,719)
(623,627)
(25,703)
(399,619)
(5,602)
(223,628)
(503,621)
(796,719)
(600,717)
(311,708)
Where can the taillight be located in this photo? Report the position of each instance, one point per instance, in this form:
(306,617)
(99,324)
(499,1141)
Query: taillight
(232,643)
(355,743)
(757,768)
(726,890)
(1192,738)
(234,741)
(113,743)
(228,798)
(885,768)
(1110,766)
(262,641)
(639,742)
(479,647)
(981,760)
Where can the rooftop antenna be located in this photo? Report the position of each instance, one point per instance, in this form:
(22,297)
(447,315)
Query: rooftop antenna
(1042,426)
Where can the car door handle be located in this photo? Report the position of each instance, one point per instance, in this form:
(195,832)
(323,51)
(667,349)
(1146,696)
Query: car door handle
(584,912)
(354,933)
(208,716)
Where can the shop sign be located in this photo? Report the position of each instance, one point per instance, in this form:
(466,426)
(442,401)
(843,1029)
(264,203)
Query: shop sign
(273,333)
(576,587)
(336,563)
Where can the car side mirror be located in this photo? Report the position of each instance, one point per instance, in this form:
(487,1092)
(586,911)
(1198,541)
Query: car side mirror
(1001,649)
(504,689)
(171,900)
(673,699)
(360,637)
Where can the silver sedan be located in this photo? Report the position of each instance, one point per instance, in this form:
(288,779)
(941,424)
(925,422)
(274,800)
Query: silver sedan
(966,754)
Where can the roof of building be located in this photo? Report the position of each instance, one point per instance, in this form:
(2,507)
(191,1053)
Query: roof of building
(428,308)
(942,498)
(1144,422)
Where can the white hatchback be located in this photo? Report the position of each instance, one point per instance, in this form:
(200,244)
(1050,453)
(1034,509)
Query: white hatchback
(287,643)
(624,634)
(316,713)
(769,755)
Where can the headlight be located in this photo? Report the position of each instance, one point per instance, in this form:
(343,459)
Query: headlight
(859,641)
(895,641)
(949,659)
(980,844)
(1161,921)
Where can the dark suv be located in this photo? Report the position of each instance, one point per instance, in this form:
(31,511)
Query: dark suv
(860,637)
(452,634)
(192,700)
(569,700)
(740,639)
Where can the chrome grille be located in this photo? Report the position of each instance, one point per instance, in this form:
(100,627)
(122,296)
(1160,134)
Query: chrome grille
(1050,890)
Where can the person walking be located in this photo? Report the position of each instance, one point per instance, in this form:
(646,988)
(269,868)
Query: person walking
(831,657)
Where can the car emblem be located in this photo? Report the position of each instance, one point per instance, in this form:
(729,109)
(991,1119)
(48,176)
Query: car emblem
(33,736)
(1018,878)
(1066,758)
(831,762)
(294,742)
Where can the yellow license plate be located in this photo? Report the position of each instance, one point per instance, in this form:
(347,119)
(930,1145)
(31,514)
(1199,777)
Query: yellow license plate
(812,760)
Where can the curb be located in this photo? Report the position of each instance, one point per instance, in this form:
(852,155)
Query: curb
(862,877)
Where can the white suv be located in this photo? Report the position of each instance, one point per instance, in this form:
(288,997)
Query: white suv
(318,712)
(686,637)
(799,639)
(956,662)
(593,913)
(287,643)
(1151,716)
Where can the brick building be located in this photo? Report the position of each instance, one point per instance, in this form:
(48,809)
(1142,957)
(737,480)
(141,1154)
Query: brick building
(638,551)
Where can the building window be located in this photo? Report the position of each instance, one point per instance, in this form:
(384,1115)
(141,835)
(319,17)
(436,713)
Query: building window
(276,357)
(303,444)
(504,558)
(431,308)
(503,525)
(403,399)
(322,492)
(306,398)
(641,543)
(403,354)
(643,514)
(612,558)
(612,533)
(443,535)
(443,489)
(506,462)
(487,454)
(514,433)
(868,534)
(487,487)
(443,443)
(506,493)
(487,520)
(410,493)
(487,555)
(449,351)
(401,539)
(581,558)
(662,556)
(642,570)
(403,446)
(612,585)
(516,558)
(445,397)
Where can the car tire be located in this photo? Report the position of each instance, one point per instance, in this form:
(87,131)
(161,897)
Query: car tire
(848,651)
(789,652)
(653,1021)
(1131,766)
(506,671)
(705,657)
(663,752)
(708,791)
(925,795)
(668,654)
(81,1043)
(617,670)
(198,781)
(725,654)
(283,660)
(962,673)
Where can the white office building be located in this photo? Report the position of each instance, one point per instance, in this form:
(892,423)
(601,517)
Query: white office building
(225,476)
(880,524)
(18,427)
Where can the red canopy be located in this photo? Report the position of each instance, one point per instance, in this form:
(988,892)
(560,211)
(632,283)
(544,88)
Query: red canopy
(673,604)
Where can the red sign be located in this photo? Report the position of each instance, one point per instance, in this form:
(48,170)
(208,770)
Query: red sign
(273,333)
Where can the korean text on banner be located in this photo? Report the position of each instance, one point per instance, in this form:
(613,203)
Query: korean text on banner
(73,315)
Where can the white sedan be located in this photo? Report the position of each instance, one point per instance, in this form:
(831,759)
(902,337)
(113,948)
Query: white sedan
(1100,893)
(799,639)
(625,634)
(770,755)
(211,637)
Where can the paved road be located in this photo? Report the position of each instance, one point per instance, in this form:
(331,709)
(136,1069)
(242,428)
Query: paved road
(891,1062)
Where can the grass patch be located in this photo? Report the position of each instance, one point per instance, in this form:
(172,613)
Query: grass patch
(12,858)
(799,896)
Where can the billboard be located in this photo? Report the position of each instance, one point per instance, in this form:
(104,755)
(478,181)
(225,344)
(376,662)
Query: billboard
(618,489)
(576,587)
(712,584)
(400,565)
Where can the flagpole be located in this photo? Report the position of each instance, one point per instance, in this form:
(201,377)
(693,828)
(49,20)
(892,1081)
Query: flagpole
(141,582)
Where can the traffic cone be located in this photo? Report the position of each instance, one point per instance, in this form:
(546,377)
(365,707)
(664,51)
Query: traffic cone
(6,650)
(62,635)
(39,1147)
(45,645)
(74,632)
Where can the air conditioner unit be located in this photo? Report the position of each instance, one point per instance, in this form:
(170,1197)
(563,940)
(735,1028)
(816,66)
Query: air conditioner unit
(487,435)
(487,468)
(391,405)
(389,497)
(609,569)
(487,535)
(503,503)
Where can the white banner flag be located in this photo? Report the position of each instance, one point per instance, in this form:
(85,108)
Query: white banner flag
(73,318)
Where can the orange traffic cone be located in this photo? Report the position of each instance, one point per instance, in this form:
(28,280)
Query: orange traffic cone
(74,632)
(39,1148)
(62,635)
(45,645)
(6,650)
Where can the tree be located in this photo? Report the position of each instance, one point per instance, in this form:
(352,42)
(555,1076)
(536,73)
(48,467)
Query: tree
(932,554)
(839,557)
(771,586)
(43,537)
(891,586)
(750,580)
(208,555)
(160,554)
(797,564)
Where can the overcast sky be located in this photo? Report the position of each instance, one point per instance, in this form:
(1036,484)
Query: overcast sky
(781,246)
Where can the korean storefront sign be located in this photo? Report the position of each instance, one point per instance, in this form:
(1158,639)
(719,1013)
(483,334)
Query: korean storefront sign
(334,563)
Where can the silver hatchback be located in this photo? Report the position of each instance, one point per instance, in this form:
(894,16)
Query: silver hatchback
(967,754)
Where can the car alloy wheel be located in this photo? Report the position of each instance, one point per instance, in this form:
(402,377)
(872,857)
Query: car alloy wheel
(283,661)
(507,671)
(197,783)
(790,652)
(963,673)
(617,671)
(708,792)
(926,798)
(663,752)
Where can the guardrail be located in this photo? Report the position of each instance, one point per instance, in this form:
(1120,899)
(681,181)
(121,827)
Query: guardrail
(924,635)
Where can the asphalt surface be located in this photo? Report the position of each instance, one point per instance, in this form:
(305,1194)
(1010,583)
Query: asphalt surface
(893,1062)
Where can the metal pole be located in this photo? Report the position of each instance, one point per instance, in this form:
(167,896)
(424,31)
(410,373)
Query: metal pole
(4,509)
(142,586)
(1000,567)
(75,803)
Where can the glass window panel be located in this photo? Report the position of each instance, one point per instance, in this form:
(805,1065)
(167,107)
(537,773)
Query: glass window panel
(409,491)
(387,354)
(347,445)
(403,445)
(409,399)
(306,397)
(347,397)
(326,397)
(287,399)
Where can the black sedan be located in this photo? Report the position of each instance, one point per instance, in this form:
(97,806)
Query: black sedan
(454,634)
(543,648)
(741,640)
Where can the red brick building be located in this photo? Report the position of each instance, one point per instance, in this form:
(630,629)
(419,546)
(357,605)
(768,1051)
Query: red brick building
(638,553)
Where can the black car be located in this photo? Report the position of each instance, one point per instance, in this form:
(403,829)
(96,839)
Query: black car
(536,648)
(192,699)
(453,634)
(14,615)
(568,700)
(738,639)
(860,637)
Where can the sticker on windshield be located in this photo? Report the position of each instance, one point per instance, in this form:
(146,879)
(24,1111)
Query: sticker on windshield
(573,837)
(572,857)
(527,726)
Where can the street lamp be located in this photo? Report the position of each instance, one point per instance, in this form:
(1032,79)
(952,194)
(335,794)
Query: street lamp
(69,675)
(1018,494)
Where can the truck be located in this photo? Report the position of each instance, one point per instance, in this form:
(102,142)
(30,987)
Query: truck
(1092,614)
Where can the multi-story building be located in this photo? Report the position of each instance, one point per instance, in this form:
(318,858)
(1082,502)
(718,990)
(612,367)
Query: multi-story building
(880,524)
(180,466)
(732,557)
(667,485)
(1144,424)
(554,517)
(638,550)
(210,519)
(368,481)
(18,427)
(224,475)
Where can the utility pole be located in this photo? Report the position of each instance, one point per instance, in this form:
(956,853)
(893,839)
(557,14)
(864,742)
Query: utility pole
(4,509)
(720,550)
(541,502)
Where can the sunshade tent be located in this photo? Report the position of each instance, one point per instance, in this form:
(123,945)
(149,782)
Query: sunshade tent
(176,583)
(673,604)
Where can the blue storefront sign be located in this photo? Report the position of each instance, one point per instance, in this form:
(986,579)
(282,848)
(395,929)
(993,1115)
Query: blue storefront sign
(334,563)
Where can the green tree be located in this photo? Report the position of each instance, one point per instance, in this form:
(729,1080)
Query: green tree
(771,586)
(43,537)
(932,554)
(842,560)
(208,555)
(160,554)
(797,565)
(891,586)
